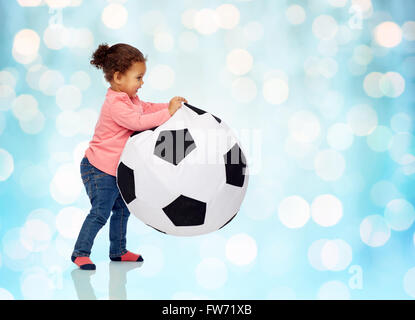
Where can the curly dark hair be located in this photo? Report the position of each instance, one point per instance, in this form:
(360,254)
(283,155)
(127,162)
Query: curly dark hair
(118,57)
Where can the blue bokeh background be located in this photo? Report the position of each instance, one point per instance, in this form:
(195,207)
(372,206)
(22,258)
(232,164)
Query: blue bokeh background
(321,94)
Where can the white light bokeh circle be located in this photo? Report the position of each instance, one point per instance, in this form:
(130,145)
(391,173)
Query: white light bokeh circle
(12,246)
(228,16)
(356,69)
(81,79)
(399,214)
(340,136)
(379,139)
(384,191)
(50,81)
(363,7)
(6,165)
(401,147)
(88,118)
(336,255)
(326,210)
(401,122)
(362,54)
(324,27)
(374,231)
(295,14)
(213,246)
(188,18)
(163,41)
(45,215)
(7,78)
(304,126)
(58,4)
(7,96)
(35,235)
(161,77)
(392,84)
(329,165)
(211,273)
(69,221)
(294,212)
(371,84)
(26,42)
(244,89)
(36,285)
(362,119)
(25,107)
(314,254)
(29,3)
(206,21)
(33,125)
(66,184)
(333,290)
(68,97)
(239,61)
(241,249)
(275,91)
(33,75)
(77,38)
(53,36)
(67,123)
(388,34)
(327,67)
(297,149)
(114,16)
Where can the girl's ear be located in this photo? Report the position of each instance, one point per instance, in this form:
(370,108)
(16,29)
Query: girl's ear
(117,77)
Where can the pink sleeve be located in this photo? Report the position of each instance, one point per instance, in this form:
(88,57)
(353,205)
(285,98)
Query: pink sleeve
(150,107)
(131,119)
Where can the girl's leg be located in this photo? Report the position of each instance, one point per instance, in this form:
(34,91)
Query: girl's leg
(118,228)
(102,192)
(118,233)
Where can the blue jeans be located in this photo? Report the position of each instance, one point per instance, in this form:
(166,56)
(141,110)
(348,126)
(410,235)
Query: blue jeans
(105,197)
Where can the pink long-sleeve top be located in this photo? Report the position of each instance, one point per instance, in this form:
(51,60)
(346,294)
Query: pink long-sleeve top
(120,116)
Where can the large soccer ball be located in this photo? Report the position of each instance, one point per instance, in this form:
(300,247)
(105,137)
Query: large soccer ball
(185,177)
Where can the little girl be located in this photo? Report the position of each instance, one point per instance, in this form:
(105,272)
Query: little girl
(121,114)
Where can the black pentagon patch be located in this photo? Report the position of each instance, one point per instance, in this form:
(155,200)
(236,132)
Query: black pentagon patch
(185,211)
(228,221)
(235,164)
(137,132)
(125,182)
(174,145)
(200,111)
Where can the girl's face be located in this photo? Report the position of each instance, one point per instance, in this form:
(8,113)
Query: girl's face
(132,79)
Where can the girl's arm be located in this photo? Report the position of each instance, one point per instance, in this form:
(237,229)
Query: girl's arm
(150,107)
(131,119)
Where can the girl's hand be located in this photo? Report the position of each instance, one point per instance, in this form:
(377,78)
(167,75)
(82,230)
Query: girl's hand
(175,103)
